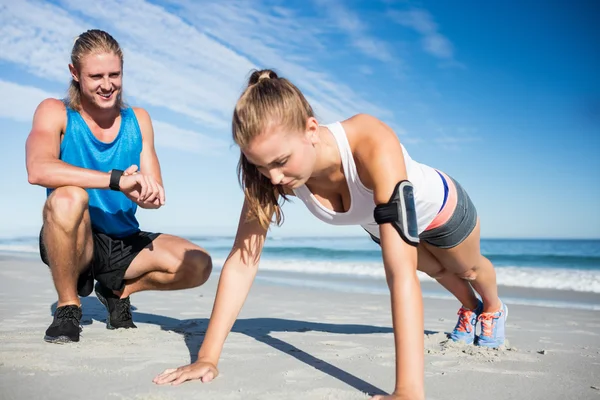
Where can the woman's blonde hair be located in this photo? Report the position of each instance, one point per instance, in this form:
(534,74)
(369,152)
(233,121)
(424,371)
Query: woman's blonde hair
(268,100)
(91,41)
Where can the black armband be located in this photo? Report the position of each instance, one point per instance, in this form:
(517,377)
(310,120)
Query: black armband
(401,212)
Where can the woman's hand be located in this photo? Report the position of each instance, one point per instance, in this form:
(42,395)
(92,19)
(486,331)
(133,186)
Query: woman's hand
(394,396)
(203,370)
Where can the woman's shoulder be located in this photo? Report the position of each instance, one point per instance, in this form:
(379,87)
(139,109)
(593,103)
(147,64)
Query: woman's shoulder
(364,132)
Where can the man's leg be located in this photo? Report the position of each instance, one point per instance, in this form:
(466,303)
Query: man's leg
(171,263)
(147,263)
(68,250)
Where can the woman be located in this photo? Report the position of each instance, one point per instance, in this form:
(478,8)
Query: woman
(350,173)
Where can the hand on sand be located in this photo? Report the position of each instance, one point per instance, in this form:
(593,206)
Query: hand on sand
(142,189)
(397,397)
(205,371)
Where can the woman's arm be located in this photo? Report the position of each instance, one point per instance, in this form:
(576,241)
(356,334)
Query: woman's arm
(236,279)
(381,166)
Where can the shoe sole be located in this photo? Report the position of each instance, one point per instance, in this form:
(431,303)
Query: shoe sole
(59,339)
(105,304)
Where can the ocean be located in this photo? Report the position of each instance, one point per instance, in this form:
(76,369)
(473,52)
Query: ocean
(354,264)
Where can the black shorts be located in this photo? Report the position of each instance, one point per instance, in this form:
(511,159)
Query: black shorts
(111,258)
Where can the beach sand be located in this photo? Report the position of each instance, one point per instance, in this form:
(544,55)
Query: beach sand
(288,343)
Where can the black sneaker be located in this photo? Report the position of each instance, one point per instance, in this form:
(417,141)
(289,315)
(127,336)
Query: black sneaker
(65,328)
(119,310)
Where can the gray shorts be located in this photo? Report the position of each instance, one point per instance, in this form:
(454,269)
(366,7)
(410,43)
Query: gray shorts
(458,227)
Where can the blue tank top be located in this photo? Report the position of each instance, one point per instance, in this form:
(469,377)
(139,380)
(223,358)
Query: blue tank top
(111,212)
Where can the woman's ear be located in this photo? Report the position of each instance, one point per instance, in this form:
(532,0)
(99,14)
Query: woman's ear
(312,130)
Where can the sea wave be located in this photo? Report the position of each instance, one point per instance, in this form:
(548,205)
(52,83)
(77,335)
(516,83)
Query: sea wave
(580,280)
(549,276)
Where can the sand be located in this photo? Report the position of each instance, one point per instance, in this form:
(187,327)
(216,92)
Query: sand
(288,343)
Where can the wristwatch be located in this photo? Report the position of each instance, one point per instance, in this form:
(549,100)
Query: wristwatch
(115,177)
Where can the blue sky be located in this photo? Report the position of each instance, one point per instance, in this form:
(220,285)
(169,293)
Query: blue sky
(503,96)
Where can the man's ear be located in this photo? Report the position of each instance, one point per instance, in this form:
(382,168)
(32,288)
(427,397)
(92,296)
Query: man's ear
(74,73)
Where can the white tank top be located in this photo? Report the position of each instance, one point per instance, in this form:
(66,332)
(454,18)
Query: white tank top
(428,191)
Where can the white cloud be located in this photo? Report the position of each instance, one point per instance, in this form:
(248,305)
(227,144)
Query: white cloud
(38,37)
(283,40)
(19,102)
(365,70)
(432,41)
(454,143)
(168,62)
(187,57)
(167,135)
(353,26)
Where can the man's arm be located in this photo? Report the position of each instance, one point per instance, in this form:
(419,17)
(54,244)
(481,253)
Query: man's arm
(149,164)
(42,149)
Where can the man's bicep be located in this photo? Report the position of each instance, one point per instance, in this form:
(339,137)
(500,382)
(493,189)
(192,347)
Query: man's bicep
(47,127)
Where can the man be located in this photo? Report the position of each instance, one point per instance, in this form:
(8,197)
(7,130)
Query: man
(86,151)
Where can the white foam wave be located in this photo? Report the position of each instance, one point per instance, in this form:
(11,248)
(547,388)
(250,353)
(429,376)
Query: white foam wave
(550,278)
(527,277)
(19,248)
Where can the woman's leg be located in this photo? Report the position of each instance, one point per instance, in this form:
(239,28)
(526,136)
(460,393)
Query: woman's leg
(460,288)
(466,262)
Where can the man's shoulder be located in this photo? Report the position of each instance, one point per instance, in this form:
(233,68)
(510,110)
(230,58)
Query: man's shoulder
(50,112)
(140,113)
(52,105)
(144,122)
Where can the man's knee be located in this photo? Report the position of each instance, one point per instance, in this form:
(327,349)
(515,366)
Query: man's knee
(196,267)
(66,205)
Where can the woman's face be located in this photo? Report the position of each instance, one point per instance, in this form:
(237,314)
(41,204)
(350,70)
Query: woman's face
(286,157)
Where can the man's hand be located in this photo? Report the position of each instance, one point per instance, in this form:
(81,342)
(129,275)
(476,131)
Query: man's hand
(142,189)
(131,170)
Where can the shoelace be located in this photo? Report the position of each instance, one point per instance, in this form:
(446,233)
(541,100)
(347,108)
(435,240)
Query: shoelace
(487,323)
(124,309)
(464,321)
(69,313)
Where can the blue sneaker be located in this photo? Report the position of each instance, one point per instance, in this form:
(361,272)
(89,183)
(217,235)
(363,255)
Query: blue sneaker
(492,328)
(464,331)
